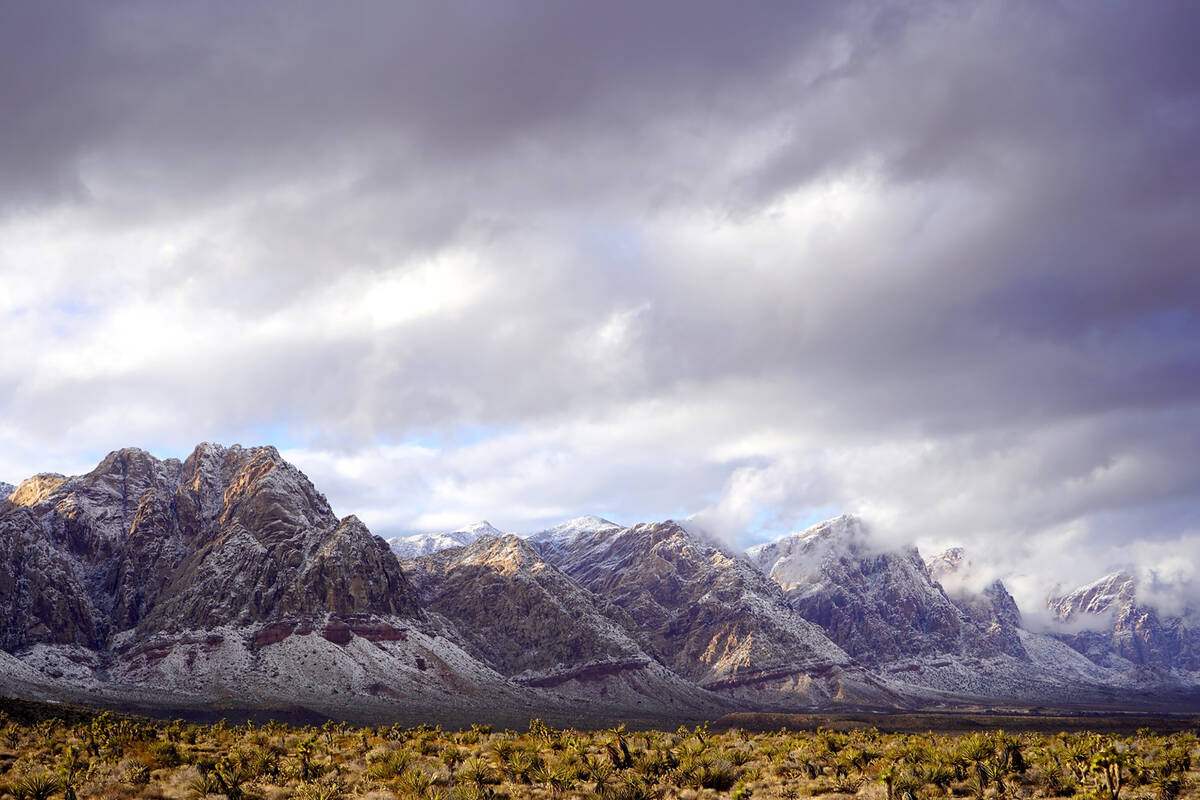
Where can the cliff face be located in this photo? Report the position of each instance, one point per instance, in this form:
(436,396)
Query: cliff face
(228,537)
(521,615)
(879,605)
(1115,627)
(713,618)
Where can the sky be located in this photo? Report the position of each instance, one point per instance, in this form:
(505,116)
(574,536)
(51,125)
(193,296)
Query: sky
(759,264)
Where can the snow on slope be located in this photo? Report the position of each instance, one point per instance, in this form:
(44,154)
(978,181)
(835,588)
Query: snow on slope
(562,534)
(422,544)
(521,615)
(1096,601)
(797,561)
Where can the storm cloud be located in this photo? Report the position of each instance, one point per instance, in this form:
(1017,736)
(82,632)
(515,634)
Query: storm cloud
(934,263)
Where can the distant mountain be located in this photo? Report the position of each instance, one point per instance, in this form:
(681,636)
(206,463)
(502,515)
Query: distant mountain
(424,543)
(226,576)
(226,581)
(1106,621)
(711,617)
(520,615)
(882,605)
(561,535)
(5,490)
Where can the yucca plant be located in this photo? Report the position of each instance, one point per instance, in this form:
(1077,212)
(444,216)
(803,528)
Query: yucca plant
(636,787)
(203,786)
(1114,763)
(392,764)
(326,788)
(35,786)
(557,777)
(477,772)
(598,772)
(416,782)
(522,764)
(452,756)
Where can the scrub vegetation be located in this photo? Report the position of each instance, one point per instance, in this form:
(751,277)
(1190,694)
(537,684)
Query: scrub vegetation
(100,755)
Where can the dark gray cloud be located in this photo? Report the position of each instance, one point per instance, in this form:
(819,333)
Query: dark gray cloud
(932,262)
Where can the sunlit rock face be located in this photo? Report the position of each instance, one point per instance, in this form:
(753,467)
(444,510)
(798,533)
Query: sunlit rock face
(1108,623)
(712,617)
(230,536)
(523,616)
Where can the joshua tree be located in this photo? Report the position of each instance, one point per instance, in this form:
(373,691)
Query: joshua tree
(1113,763)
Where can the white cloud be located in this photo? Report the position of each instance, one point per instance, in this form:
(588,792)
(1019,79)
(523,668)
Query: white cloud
(847,259)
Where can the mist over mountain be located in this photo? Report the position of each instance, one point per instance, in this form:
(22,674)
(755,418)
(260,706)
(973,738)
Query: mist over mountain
(226,580)
(760,265)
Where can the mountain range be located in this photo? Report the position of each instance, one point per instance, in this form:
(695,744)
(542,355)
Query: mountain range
(225,581)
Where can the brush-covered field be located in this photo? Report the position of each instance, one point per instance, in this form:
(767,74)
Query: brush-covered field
(100,755)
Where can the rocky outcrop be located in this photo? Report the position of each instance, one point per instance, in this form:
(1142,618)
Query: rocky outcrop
(878,605)
(521,615)
(711,617)
(1106,622)
(231,536)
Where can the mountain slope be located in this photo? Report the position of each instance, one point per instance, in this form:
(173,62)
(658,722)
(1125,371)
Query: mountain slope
(521,615)
(560,536)
(224,576)
(421,544)
(712,618)
(1105,621)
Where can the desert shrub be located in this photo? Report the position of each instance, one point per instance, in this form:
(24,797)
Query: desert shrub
(324,788)
(389,764)
(416,783)
(34,786)
(165,753)
(135,772)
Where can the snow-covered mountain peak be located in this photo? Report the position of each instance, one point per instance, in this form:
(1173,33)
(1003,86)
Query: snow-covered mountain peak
(950,562)
(6,489)
(564,532)
(480,528)
(562,535)
(797,557)
(1100,598)
(422,544)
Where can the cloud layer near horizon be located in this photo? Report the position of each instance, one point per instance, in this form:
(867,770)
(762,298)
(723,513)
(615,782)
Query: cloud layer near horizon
(932,263)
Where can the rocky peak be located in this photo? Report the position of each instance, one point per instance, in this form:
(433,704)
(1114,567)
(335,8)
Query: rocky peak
(32,491)
(879,605)
(562,534)
(707,614)
(421,544)
(1105,618)
(948,564)
(516,611)
(990,606)
(798,561)
(1104,596)
(229,536)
